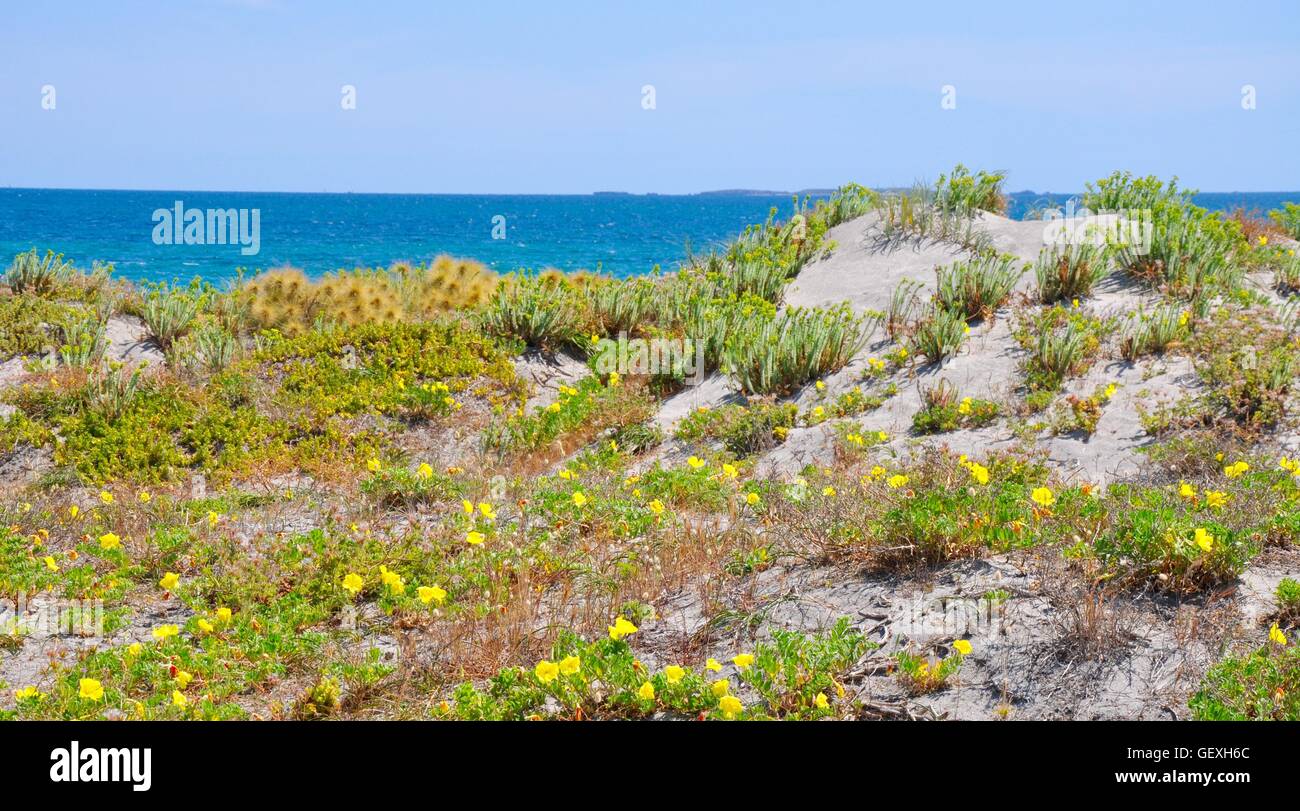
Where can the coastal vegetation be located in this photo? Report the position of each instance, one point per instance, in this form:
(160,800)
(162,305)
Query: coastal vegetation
(372,495)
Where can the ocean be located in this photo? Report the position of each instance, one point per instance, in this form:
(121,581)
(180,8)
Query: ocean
(617,234)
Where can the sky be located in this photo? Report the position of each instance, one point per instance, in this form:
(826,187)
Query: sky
(515,97)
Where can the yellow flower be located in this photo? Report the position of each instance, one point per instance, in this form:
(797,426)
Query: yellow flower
(27,693)
(1215,498)
(546,671)
(134,649)
(964,406)
(673,674)
(424,471)
(695,462)
(821,702)
(1186,491)
(1263,240)
(621,628)
(206,627)
(647,692)
(730,706)
(213,518)
(1110,391)
(579,499)
(657,507)
(743,660)
(821,386)
(178,698)
(962,646)
(105,496)
(979,473)
(183,678)
(144,497)
(352,583)
(1276,636)
(882,436)
(487,511)
(828,490)
(50,564)
(713,664)
(91,689)
(1204,539)
(1043,496)
(109,541)
(1235,469)
(566,474)
(877,472)
(74,511)
(164,632)
(223,613)
(431,594)
(613,380)
(373,465)
(752,499)
(553,407)
(169,581)
(896,481)
(729,471)
(720,688)
(474,537)
(570,665)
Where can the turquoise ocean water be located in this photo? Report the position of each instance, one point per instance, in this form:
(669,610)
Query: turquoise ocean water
(617,233)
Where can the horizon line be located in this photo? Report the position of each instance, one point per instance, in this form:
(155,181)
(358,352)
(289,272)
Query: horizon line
(814,191)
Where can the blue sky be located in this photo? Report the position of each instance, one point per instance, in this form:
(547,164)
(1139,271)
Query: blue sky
(487,97)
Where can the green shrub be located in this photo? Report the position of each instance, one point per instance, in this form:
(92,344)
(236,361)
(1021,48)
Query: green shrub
(848,202)
(1121,191)
(83,343)
(743,430)
(623,305)
(797,346)
(1260,686)
(939,335)
(1156,538)
(1155,331)
(916,215)
(580,412)
(168,315)
(537,311)
(1286,273)
(402,488)
(945,410)
(1061,343)
(964,193)
(1069,272)
(211,349)
(975,288)
(1288,219)
(1288,601)
(32,274)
